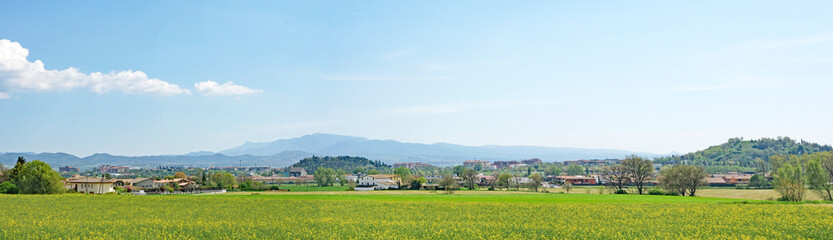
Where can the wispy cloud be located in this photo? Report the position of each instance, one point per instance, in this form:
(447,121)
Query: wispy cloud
(741,82)
(18,73)
(211,88)
(4,95)
(789,42)
(458,107)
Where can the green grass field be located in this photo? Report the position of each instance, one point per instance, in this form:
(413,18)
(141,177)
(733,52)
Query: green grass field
(405,215)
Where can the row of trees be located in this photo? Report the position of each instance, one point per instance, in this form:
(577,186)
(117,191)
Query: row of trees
(793,174)
(35,177)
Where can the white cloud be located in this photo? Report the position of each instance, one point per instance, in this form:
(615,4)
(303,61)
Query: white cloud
(18,73)
(211,88)
(4,95)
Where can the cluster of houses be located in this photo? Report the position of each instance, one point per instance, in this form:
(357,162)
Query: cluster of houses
(500,164)
(100,185)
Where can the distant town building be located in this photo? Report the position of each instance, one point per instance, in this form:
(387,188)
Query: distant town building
(532,161)
(594,162)
(475,163)
(113,169)
(411,165)
(504,164)
(68,169)
(297,172)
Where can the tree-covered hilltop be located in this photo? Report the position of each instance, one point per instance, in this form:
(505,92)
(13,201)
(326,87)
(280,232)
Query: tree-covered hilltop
(745,155)
(345,163)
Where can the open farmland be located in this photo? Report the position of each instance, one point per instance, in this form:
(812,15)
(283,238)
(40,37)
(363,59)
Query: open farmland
(405,216)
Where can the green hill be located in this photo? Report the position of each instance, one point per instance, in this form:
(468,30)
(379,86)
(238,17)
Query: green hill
(744,155)
(345,163)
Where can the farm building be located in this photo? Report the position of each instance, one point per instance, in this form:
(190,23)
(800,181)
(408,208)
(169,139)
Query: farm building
(91,185)
(378,182)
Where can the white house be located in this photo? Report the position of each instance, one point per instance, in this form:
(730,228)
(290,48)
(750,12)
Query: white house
(91,185)
(377,182)
(144,183)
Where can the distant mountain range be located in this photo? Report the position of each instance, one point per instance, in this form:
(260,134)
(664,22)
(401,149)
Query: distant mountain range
(285,152)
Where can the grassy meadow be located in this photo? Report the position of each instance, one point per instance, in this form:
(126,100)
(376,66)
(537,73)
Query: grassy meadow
(405,215)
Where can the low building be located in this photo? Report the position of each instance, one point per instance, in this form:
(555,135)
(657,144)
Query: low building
(579,180)
(475,163)
(144,183)
(503,164)
(68,169)
(378,182)
(411,165)
(180,182)
(91,185)
(113,169)
(297,172)
(532,161)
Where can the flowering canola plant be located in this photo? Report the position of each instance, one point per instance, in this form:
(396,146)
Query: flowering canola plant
(236,217)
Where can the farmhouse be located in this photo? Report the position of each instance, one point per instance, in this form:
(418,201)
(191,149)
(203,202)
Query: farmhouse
(411,165)
(91,185)
(297,172)
(579,180)
(143,183)
(181,182)
(377,182)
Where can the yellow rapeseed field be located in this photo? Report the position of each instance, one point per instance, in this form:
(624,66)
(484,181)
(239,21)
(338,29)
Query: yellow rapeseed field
(276,217)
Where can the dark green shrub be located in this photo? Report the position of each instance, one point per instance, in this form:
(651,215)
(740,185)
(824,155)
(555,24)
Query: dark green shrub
(656,192)
(621,191)
(8,188)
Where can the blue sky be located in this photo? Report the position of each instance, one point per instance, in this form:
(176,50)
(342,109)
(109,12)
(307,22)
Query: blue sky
(142,78)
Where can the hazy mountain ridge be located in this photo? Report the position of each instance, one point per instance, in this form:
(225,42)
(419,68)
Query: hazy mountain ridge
(390,151)
(285,152)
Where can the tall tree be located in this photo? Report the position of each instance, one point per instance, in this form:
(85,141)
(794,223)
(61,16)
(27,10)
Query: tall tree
(325,176)
(639,169)
(403,175)
(789,178)
(758,181)
(16,170)
(470,177)
(617,176)
(448,183)
(37,177)
(458,170)
(503,179)
(574,169)
(180,175)
(537,179)
(683,179)
(818,178)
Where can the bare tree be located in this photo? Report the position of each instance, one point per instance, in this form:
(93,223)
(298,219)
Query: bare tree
(639,169)
(567,186)
(616,176)
(448,183)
